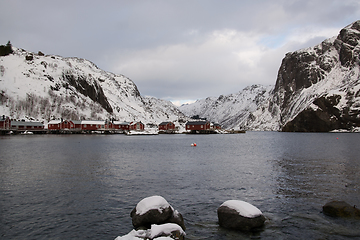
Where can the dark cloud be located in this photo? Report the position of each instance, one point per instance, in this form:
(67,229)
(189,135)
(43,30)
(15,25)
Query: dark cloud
(177,49)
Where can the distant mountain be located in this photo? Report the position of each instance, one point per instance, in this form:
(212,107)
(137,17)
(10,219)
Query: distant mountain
(45,87)
(317,89)
(247,109)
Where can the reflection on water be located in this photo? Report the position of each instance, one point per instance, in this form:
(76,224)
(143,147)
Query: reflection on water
(85,186)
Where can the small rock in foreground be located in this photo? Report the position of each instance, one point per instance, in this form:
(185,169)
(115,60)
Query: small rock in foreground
(341,209)
(155,210)
(240,215)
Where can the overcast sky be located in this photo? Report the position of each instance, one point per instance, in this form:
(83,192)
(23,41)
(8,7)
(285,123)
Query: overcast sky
(177,50)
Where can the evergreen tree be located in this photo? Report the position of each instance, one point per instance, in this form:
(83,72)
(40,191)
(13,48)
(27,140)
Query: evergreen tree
(6,50)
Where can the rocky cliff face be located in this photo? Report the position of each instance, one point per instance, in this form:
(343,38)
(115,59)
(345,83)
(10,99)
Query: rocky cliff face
(45,87)
(317,89)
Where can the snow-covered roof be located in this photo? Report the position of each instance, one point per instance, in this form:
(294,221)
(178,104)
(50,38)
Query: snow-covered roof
(92,122)
(196,122)
(54,122)
(164,123)
(23,123)
(121,123)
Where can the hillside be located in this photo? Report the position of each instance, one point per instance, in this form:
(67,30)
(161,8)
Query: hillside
(45,87)
(317,90)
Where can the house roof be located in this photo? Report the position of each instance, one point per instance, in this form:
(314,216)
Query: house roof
(164,123)
(121,123)
(23,123)
(92,122)
(54,122)
(197,122)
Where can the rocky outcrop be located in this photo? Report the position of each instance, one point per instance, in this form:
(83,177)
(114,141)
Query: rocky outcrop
(154,218)
(73,88)
(88,87)
(155,210)
(341,209)
(240,215)
(317,90)
(326,117)
(307,78)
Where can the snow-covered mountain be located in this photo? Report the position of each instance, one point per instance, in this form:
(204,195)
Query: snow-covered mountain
(317,89)
(238,110)
(45,87)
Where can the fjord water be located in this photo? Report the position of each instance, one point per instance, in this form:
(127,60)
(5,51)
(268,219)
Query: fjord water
(85,186)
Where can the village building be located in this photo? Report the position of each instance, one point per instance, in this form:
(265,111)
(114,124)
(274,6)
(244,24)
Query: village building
(92,125)
(216,126)
(66,125)
(165,126)
(138,126)
(54,125)
(5,122)
(197,125)
(124,126)
(23,125)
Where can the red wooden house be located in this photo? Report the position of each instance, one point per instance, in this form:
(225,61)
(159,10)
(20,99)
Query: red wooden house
(23,125)
(197,125)
(216,126)
(125,126)
(64,125)
(138,126)
(92,125)
(5,122)
(164,126)
(54,125)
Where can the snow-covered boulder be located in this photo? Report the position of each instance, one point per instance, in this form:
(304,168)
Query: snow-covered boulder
(240,215)
(168,231)
(155,210)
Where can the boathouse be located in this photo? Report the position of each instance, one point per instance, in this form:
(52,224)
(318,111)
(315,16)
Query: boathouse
(138,126)
(125,126)
(67,125)
(54,125)
(92,125)
(164,126)
(197,125)
(23,125)
(5,122)
(216,126)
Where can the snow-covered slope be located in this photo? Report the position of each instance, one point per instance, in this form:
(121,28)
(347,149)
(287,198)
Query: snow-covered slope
(238,110)
(45,87)
(317,89)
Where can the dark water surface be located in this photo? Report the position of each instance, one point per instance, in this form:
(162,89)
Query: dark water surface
(85,186)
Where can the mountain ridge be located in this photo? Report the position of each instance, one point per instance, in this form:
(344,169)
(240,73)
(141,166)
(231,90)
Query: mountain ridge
(46,87)
(317,89)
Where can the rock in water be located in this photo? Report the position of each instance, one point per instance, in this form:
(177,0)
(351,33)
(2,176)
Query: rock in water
(341,209)
(155,210)
(151,210)
(240,215)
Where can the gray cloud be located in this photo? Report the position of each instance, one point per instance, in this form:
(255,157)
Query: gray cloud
(177,50)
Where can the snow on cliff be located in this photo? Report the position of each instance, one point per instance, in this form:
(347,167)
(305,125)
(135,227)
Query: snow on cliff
(45,87)
(238,110)
(317,89)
